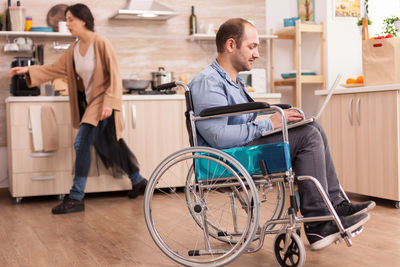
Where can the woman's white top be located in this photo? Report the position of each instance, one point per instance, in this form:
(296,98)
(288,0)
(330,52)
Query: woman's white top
(84,67)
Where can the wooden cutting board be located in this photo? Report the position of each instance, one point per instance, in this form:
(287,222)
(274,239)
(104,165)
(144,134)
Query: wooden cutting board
(351,85)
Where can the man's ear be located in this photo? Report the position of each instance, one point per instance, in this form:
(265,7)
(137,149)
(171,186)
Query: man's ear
(230,45)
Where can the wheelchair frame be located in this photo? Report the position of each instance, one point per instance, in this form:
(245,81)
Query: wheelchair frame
(288,247)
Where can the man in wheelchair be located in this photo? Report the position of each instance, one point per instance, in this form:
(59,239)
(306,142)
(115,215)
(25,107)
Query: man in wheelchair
(219,85)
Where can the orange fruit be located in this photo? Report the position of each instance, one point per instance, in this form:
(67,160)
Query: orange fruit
(351,80)
(360,79)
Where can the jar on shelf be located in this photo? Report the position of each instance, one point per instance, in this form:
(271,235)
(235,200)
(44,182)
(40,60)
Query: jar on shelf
(28,23)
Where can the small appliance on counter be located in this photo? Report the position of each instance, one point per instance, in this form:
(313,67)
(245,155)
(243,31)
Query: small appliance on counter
(18,85)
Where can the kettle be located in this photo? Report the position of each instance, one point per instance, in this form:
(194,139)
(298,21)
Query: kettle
(160,77)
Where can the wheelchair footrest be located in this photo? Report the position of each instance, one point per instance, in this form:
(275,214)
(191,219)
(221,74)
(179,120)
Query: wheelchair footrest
(351,234)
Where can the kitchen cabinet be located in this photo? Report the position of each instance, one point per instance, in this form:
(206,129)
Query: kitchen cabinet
(154,128)
(295,34)
(363,130)
(34,173)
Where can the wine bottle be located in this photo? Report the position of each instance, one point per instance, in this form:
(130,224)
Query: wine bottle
(193,22)
(8,19)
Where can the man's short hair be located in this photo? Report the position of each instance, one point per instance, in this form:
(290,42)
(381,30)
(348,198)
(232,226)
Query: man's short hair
(232,28)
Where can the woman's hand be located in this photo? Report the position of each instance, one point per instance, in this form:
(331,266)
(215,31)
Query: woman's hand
(17,70)
(291,115)
(105,113)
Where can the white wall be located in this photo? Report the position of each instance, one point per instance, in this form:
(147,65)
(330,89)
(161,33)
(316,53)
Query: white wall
(343,46)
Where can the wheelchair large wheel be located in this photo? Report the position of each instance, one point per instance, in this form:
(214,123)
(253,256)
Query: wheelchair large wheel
(295,255)
(185,229)
(271,206)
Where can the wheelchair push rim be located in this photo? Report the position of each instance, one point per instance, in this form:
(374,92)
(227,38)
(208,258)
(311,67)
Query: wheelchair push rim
(171,236)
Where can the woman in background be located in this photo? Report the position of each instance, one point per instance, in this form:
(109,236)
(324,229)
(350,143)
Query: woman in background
(95,95)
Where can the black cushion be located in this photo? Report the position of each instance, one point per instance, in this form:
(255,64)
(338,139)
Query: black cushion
(233,108)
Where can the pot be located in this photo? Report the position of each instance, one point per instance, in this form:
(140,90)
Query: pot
(133,84)
(160,77)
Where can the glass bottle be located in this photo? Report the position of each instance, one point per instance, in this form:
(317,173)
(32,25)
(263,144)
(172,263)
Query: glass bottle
(193,22)
(8,19)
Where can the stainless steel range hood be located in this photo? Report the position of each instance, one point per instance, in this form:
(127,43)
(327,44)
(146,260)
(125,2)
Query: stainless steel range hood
(144,9)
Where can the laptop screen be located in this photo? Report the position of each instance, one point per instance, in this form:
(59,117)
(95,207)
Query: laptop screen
(328,97)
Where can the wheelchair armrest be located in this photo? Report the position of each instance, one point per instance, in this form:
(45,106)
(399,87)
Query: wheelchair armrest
(282,106)
(234,108)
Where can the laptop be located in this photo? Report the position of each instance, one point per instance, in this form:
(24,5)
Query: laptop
(314,118)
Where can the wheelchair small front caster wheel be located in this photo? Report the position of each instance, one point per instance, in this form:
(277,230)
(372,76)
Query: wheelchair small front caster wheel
(397,204)
(295,254)
(61,197)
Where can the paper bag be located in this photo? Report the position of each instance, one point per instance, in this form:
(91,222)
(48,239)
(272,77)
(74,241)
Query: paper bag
(381,61)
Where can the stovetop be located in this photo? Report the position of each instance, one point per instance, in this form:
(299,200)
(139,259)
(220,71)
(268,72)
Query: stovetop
(154,92)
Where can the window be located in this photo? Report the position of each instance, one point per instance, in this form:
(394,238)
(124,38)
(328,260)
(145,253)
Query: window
(378,10)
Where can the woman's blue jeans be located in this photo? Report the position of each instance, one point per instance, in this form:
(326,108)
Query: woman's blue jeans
(86,136)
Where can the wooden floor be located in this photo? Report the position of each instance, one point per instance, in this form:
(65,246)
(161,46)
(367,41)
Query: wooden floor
(112,232)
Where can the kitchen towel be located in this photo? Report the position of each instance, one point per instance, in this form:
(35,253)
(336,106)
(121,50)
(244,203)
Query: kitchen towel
(43,124)
(49,129)
(35,125)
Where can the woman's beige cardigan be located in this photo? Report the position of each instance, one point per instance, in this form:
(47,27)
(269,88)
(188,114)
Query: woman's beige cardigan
(106,85)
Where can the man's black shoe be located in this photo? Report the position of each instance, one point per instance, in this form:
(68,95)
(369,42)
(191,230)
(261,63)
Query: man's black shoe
(323,234)
(138,189)
(346,208)
(69,205)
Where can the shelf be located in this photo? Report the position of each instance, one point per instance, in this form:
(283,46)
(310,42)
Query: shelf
(290,32)
(36,34)
(203,36)
(303,78)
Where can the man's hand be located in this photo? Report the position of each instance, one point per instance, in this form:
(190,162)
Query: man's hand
(17,70)
(105,113)
(291,115)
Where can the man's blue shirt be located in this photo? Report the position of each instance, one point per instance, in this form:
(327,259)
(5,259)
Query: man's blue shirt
(213,88)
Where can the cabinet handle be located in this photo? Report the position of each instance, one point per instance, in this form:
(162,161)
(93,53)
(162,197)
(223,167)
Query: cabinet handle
(358,110)
(124,114)
(133,116)
(349,112)
(43,154)
(43,178)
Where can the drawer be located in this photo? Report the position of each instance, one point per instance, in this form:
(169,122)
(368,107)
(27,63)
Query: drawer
(21,138)
(23,160)
(19,112)
(40,183)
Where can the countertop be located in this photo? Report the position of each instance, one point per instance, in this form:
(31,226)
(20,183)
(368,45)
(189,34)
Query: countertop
(365,89)
(124,97)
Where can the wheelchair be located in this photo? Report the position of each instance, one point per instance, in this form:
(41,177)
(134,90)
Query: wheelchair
(232,198)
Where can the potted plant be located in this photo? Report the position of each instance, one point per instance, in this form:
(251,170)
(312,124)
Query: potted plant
(391,25)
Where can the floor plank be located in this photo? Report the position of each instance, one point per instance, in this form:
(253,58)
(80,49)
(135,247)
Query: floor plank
(112,232)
